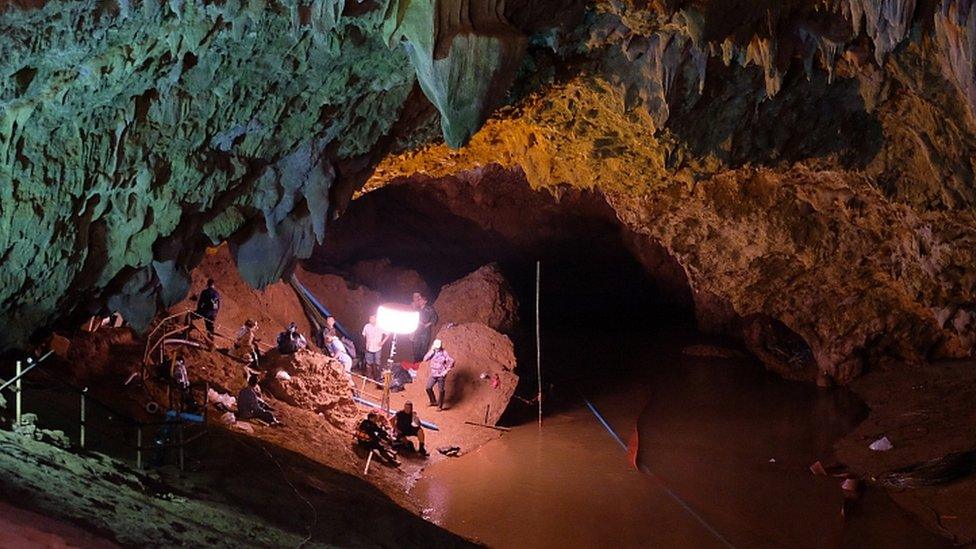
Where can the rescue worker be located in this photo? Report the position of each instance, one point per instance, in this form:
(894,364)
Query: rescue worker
(371,436)
(208,305)
(440,364)
(290,341)
(406,423)
(250,405)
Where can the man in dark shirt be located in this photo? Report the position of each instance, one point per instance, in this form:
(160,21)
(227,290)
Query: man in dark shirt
(208,304)
(428,319)
(251,405)
(407,424)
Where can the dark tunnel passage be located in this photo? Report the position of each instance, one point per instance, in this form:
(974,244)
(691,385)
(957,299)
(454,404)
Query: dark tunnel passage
(597,277)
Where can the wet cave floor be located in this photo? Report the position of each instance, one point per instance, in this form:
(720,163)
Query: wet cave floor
(717,453)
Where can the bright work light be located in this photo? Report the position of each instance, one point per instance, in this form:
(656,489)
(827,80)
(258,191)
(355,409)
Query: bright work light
(397,319)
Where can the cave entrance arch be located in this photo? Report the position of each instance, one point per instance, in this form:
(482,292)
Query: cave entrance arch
(598,276)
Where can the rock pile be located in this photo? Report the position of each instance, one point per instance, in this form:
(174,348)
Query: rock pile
(314,382)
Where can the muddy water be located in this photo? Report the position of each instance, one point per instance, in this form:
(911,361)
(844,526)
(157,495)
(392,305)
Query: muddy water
(718,455)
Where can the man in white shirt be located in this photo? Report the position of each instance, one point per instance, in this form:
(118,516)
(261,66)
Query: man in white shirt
(338,351)
(375,340)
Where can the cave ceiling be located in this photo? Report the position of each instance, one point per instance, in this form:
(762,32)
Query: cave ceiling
(809,161)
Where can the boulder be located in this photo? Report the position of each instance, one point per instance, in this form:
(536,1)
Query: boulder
(483,379)
(483,296)
(315,382)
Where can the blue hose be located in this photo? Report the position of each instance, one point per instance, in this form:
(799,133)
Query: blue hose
(684,505)
(318,305)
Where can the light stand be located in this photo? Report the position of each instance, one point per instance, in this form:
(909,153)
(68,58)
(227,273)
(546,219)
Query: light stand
(395,319)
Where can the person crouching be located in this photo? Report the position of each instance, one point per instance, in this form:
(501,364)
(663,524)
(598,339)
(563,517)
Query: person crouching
(374,438)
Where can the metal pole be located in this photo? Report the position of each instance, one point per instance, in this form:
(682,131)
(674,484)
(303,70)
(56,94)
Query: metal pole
(17,404)
(82,429)
(139,447)
(538,338)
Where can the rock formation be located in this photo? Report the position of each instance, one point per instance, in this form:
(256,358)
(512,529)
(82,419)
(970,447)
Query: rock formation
(393,282)
(483,296)
(483,379)
(314,382)
(807,164)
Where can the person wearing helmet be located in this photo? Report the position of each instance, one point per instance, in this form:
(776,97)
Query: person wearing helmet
(440,364)
(371,435)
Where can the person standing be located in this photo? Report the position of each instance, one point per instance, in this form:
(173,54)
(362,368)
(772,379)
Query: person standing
(428,319)
(375,339)
(179,374)
(440,364)
(208,304)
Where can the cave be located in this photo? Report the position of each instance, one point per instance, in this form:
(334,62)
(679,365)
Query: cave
(749,227)
(596,277)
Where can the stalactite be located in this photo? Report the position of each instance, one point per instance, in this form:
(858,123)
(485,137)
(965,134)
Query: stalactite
(465,54)
(886,22)
(119,129)
(955,31)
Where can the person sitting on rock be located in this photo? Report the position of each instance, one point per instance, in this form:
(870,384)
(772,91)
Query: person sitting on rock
(440,364)
(371,436)
(406,423)
(338,351)
(250,405)
(290,341)
(245,345)
(328,329)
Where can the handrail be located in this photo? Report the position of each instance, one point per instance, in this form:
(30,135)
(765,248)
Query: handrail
(121,416)
(151,346)
(22,373)
(172,418)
